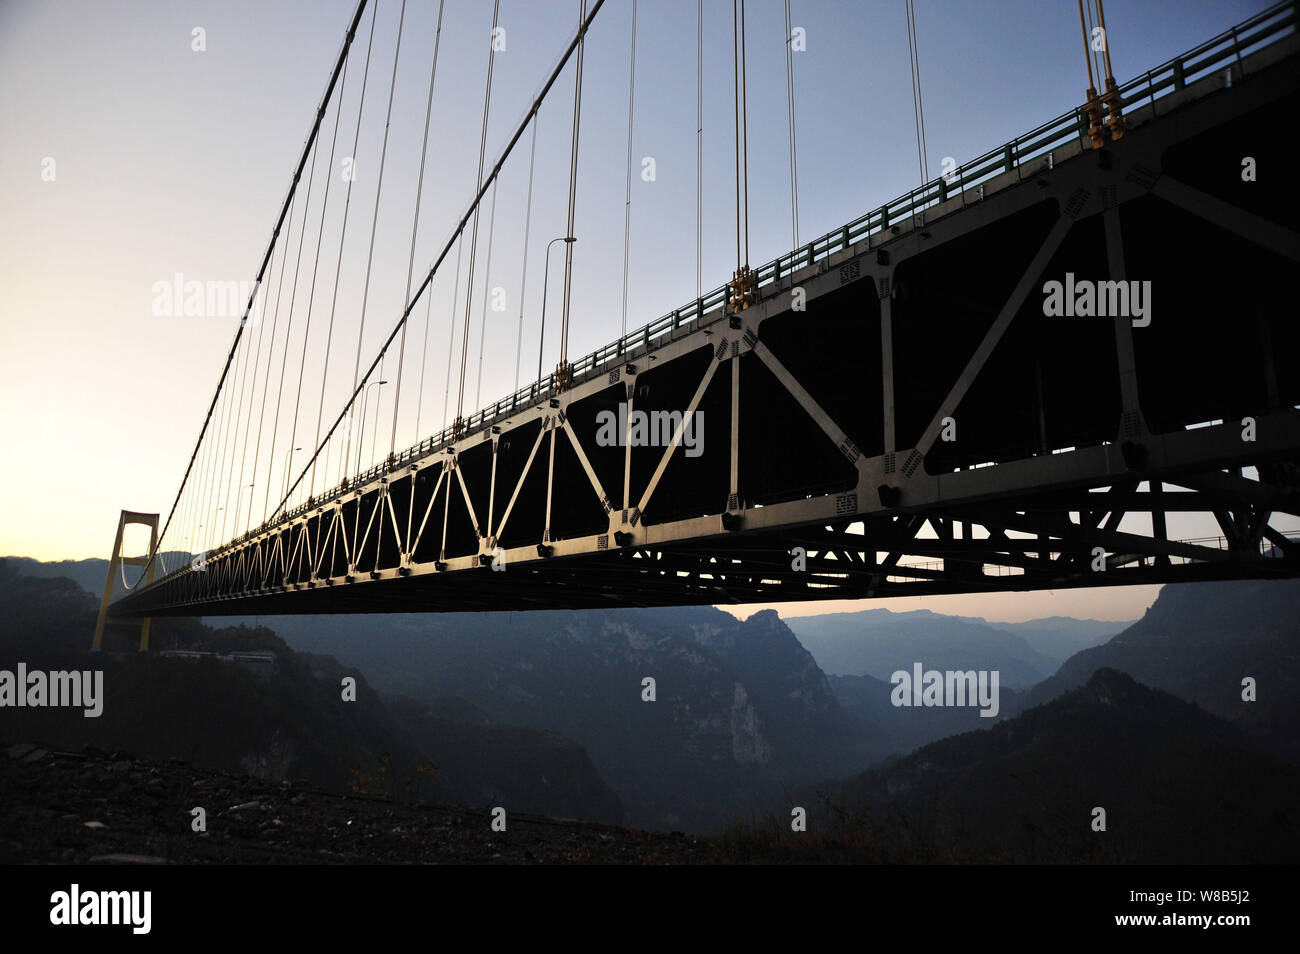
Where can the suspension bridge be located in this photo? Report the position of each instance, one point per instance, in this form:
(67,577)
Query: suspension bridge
(1010,378)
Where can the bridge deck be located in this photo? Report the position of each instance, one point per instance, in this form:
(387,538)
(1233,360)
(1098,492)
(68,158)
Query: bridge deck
(896,416)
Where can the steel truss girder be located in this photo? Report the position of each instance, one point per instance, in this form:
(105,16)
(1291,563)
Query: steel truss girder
(1065,503)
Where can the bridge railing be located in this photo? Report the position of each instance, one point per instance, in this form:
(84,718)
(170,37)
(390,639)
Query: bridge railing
(1168,78)
(1264,549)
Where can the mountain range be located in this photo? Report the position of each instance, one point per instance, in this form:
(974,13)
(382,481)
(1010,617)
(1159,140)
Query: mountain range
(1170,783)
(878,642)
(741,712)
(555,707)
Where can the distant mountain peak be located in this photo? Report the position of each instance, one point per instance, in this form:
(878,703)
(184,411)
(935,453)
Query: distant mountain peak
(1110,686)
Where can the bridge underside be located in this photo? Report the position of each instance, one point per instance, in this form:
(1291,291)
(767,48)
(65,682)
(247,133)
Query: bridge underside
(900,418)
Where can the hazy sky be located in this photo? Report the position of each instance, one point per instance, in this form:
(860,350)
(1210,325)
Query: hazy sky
(128,157)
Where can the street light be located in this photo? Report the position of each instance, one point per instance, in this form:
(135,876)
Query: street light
(250,504)
(213,528)
(546,274)
(361,435)
(287,458)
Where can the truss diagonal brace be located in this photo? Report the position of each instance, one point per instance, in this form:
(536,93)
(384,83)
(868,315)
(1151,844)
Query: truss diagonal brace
(991,338)
(677,435)
(1247,225)
(586,466)
(806,400)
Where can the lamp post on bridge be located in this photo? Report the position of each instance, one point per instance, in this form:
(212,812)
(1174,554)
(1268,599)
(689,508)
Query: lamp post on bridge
(546,274)
(214,525)
(287,458)
(250,504)
(361,436)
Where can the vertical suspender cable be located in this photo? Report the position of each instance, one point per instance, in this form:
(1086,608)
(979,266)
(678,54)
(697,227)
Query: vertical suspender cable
(410,267)
(918,116)
(451,330)
(744,119)
(266,257)
(205,478)
(574,45)
(270,349)
(338,266)
(1092,27)
(573,187)
(920,99)
(250,355)
(239,414)
(523,278)
(699,149)
(1083,29)
(794,162)
(742,137)
(223,478)
(487,277)
(261,329)
(428,309)
(627,199)
(424,361)
(911,66)
(735,82)
(374,223)
(473,244)
(311,298)
(374,431)
(218,461)
(1089,53)
(288,333)
(194,508)
(1105,46)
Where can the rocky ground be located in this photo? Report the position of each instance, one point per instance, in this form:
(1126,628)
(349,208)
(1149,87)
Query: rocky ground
(98,807)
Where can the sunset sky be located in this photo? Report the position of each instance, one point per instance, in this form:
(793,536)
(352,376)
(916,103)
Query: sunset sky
(129,157)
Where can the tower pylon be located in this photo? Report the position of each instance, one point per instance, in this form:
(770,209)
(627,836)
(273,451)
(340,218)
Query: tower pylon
(115,563)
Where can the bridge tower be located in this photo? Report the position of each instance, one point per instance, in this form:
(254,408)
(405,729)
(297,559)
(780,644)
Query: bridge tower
(116,561)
